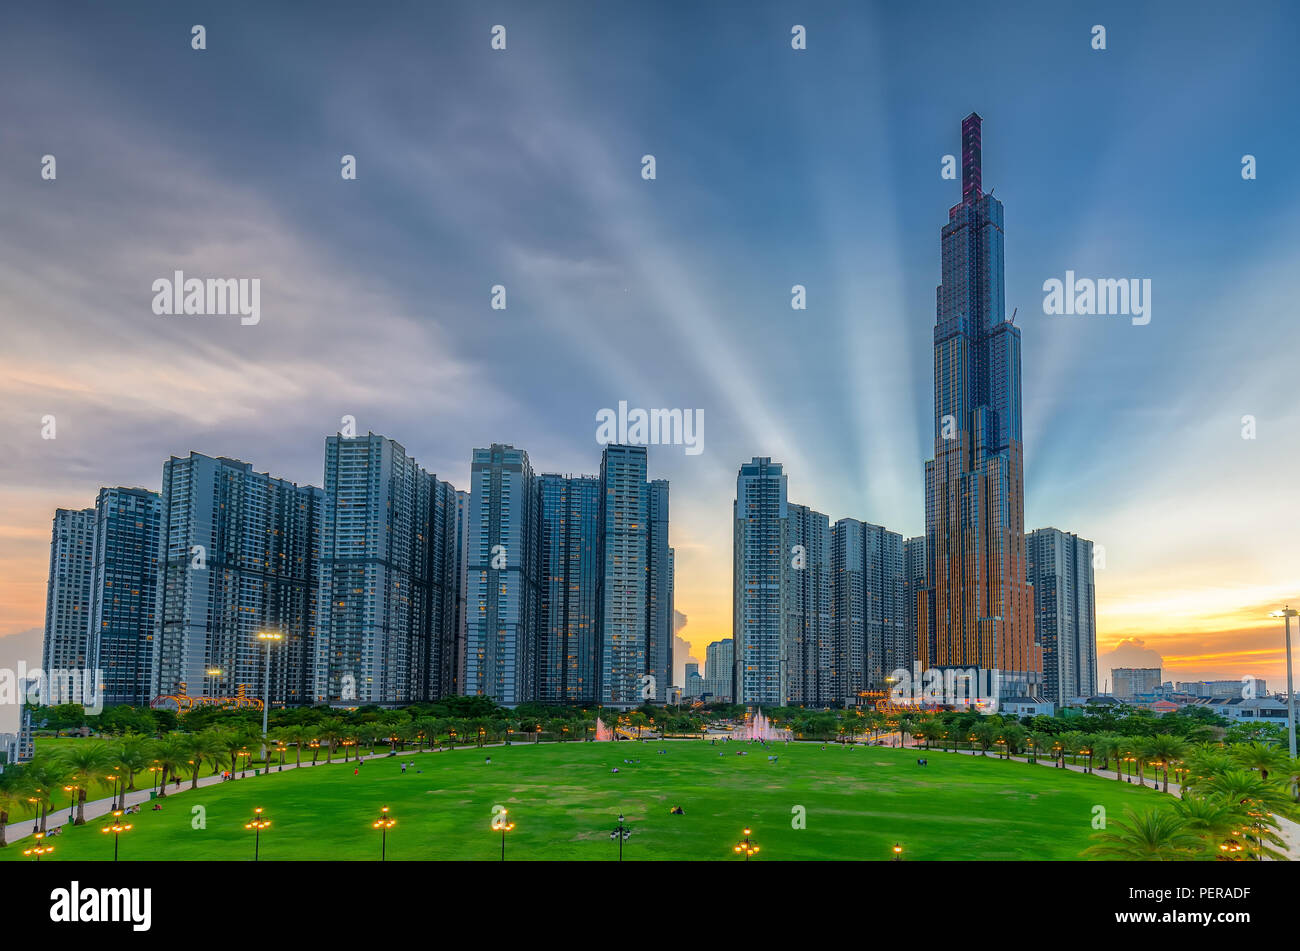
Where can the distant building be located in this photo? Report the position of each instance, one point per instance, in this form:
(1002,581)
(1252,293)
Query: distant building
(1242,710)
(694,682)
(1132,682)
(1025,707)
(720,669)
(1252,686)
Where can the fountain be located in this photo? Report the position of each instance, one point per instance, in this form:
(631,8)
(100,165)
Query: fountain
(603,733)
(758,727)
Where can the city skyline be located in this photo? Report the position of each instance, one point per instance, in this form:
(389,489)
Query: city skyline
(1117,417)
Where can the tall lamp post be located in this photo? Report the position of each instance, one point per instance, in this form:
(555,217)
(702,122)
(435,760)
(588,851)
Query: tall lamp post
(746,846)
(500,821)
(259,823)
(622,835)
(269,638)
(1288,613)
(384,823)
(117,827)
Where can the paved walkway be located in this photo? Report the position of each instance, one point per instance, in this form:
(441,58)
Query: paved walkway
(101,807)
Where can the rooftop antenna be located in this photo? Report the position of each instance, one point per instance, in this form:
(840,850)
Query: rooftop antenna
(1014,311)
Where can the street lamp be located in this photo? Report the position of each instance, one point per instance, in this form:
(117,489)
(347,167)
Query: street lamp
(117,827)
(622,835)
(746,846)
(268,637)
(259,823)
(40,848)
(384,823)
(113,778)
(499,821)
(1288,613)
(898,852)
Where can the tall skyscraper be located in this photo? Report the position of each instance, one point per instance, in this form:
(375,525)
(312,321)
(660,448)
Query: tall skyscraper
(977,609)
(67,644)
(392,573)
(1059,566)
(625,578)
(659,591)
(504,555)
(866,608)
(759,551)
(124,593)
(570,588)
(808,629)
(240,554)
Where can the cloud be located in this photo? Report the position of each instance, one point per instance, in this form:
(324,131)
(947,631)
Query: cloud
(1130,652)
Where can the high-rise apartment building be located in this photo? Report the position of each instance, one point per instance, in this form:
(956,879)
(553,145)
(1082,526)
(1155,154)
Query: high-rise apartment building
(240,554)
(67,647)
(913,585)
(866,608)
(659,593)
(570,588)
(623,656)
(1059,566)
(392,575)
(977,608)
(759,556)
(124,593)
(504,556)
(809,633)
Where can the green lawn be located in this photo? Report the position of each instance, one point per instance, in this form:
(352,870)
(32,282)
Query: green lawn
(564,800)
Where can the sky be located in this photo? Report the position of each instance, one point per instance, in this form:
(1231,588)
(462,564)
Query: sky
(774,167)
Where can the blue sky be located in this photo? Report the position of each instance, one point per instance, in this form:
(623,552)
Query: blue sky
(774,167)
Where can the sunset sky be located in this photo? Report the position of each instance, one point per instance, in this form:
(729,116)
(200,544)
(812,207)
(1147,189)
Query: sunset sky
(775,167)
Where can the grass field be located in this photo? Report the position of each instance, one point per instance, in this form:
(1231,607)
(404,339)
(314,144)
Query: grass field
(564,800)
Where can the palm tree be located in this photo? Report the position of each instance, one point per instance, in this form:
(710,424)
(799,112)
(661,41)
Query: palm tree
(1260,756)
(1157,835)
(134,754)
(299,736)
(200,746)
(11,797)
(39,782)
(1110,746)
(1259,800)
(331,731)
(86,762)
(1163,749)
(1203,762)
(1213,818)
(172,755)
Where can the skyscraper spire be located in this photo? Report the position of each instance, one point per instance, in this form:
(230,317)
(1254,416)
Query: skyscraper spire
(975,609)
(970,158)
